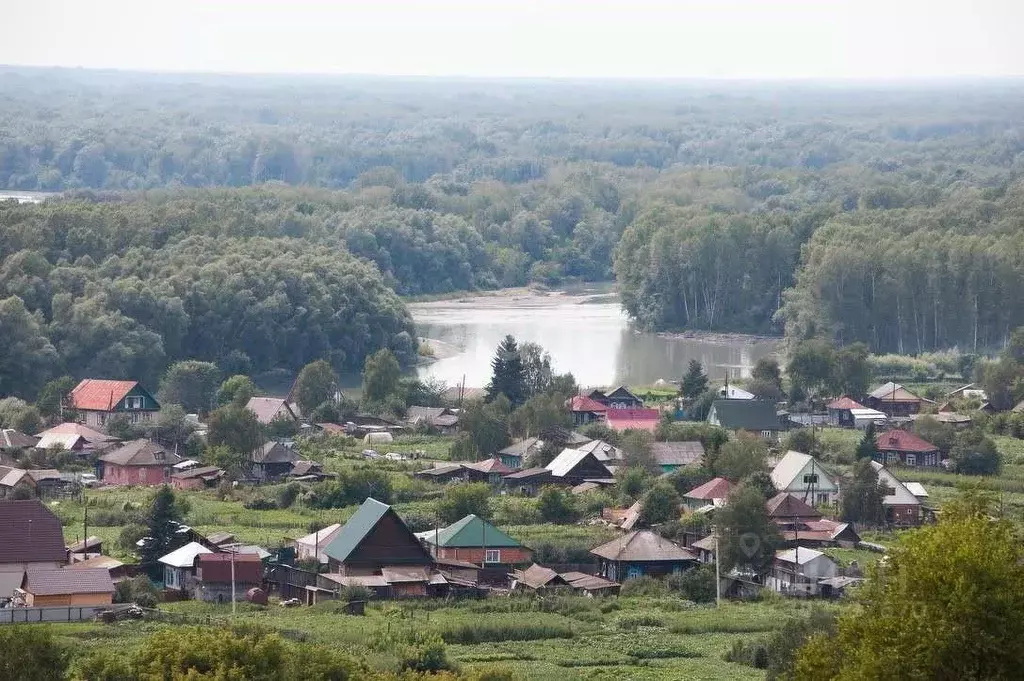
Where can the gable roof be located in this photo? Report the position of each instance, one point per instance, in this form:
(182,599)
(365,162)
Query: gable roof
(718,488)
(274,452)
(894,392)
(30,532)
(492,465)
(901,496)
(622,391)
(522,448)
(567,461)
(141,453)
(538,576)
(68,428)
(677,453)
(753,415)
(731,392)
(268,408)
(103,562)
(582,403)
(903,441)
(785,505)
(529,473)
(792,465)
(322,537)
(799,555)
(64,582)
(638,419)
(94,394)
(12,439)
(184,557)
(360,525)
(200,472)
(643,546)
(601,449)
(844,402)
(472,532)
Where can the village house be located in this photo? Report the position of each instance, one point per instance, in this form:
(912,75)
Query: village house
(31,538)
(529,481)
(902,507)
(802,476)
(312,545)
(755,416)
(198,477)
(490,471)
(117,570)
(895,400)
(802,525)
(444,473)
(308,471)
(267,409)
(377,550)
(18,482)
(642,552)
(633,419)
(213,576)
(441,419)
(55,587)
(139,462)
(573,466)
(839,412)
(786,510)
(671,456)
(538,578)
(12,440)
(713,492)
(586,410)
(515,454)
(474,540)
(97,401)
(604,452)
(705,549)
(180,567)
(903,448)
(799,571)
(621,398)
(273,461)
(75,437)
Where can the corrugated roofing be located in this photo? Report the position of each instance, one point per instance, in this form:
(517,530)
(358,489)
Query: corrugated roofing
(29,532)
(356,529)
(677,453)
(581,403)
(141,453)
(798,556)
(917,489)
(185,557)
(894,392)
(752,415)
(63,582)
(902,441)
(602,450)
(643,546)
(718,488)
(269,408)
(566,461)
(93,394)
(471,532)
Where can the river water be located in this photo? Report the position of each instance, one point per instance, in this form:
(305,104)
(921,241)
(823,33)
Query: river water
(587,334)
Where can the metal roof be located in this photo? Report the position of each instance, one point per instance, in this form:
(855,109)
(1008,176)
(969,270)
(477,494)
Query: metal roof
(29,533)
(470,532)
(717,488)
(798,556)
(356,529)
(677,453)
(93,394)
(185,557)
(643,546)
(64,581)
(141,453)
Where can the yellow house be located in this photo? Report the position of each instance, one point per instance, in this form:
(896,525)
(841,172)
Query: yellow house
(64,587)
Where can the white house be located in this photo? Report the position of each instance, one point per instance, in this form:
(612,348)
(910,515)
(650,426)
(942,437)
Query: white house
(802,476)
(902,507)
(180,566)
(731,392)
(799,571)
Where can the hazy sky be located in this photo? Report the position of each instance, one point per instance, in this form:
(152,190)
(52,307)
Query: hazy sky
(620,38)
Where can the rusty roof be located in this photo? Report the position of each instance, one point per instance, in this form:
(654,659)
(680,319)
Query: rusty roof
(903,441)
(29,533)
(63,582)
(785,505)
(94,394)
(717,488)
(643,546)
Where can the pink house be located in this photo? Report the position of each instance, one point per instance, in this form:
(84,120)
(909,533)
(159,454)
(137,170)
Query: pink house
(139,462)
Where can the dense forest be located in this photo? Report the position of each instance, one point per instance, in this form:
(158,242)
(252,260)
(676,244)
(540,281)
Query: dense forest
(261,222)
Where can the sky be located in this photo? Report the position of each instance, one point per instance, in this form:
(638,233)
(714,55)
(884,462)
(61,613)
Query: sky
(744,39)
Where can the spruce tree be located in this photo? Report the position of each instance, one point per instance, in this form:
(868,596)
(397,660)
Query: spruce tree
(695,382)
(867,448)
(162,525)
(509,375)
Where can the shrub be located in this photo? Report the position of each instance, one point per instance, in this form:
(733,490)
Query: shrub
(260,504)
(114,518)
(138,590)
(287,495)
(643,586)
(697,585)
(130,535)
(634,622)
(426,653)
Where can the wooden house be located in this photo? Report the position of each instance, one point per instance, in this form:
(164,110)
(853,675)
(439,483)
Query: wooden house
(273,461)
(573,466)
(895,400)
(490,471)
(180,566)
(804,477)
(902,507)
(139,462)
(96,401)
(440,419)
(901,447)
(586,410)
(49,587)
(798,571)
(756,416)
(444,473)
(517,453)
(671,456)
(622,398)
(199,477)
(714,493)
(642,552)
(529,481)
(840,412)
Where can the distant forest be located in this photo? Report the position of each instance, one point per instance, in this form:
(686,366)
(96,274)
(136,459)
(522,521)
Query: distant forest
(262,222)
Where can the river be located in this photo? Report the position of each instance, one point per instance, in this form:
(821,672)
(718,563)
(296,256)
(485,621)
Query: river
(586,333)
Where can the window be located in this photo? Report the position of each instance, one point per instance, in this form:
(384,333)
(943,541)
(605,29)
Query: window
(911,459)
(929,459)
(823,498)
(766,434)
(811,479)
(133,403)
(492,556)
(890,491)
(891,457)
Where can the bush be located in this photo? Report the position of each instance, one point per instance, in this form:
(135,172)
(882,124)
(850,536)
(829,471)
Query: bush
(697,585)
(634,622)
(287,495)
(260,504)
(355,593)
(138,590)
(113,518)
(425,654)
(643,586)
(130,535)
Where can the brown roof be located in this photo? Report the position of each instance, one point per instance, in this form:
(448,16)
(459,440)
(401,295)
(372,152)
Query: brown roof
(581,403)
(489,466)
(12,439)
(581,580)
(63,582)
(677,453)
(300,468)
(90,434)
(216,568)
(844,402)
(643,546)
(274,452)
(141,453)
(785,505)
(538,576)
(93,394)
(92,542)
(97,562)
(29,532)
(268,408)
(718,488)
(903,441)
(529,473)
(200,472)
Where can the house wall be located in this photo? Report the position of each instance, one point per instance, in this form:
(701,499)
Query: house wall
(903,514)
(894,408)
(179,579)
(220,593)
(618,571)
(187,483)
(135,475)
(69,599)
(507,555)
(890,457)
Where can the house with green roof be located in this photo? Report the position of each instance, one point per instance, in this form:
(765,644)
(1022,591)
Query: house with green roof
(474,540)
(375,538)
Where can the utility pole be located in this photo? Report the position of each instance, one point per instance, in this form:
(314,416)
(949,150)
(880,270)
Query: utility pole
(718,572)
(234,605)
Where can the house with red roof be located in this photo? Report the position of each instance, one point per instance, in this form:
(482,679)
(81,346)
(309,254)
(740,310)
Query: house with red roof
(900,447)
(633,419)
(586,410)
(139,462)
(839,412)
(97,400)
(713,492)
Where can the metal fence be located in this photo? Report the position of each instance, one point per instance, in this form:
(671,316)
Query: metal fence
(73,613)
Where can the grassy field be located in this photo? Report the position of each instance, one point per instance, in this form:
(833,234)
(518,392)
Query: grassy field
(552,639)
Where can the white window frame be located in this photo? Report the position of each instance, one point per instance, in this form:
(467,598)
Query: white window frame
(492,555)
(133,402)
(766,434)
(891,457)
(911,459)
